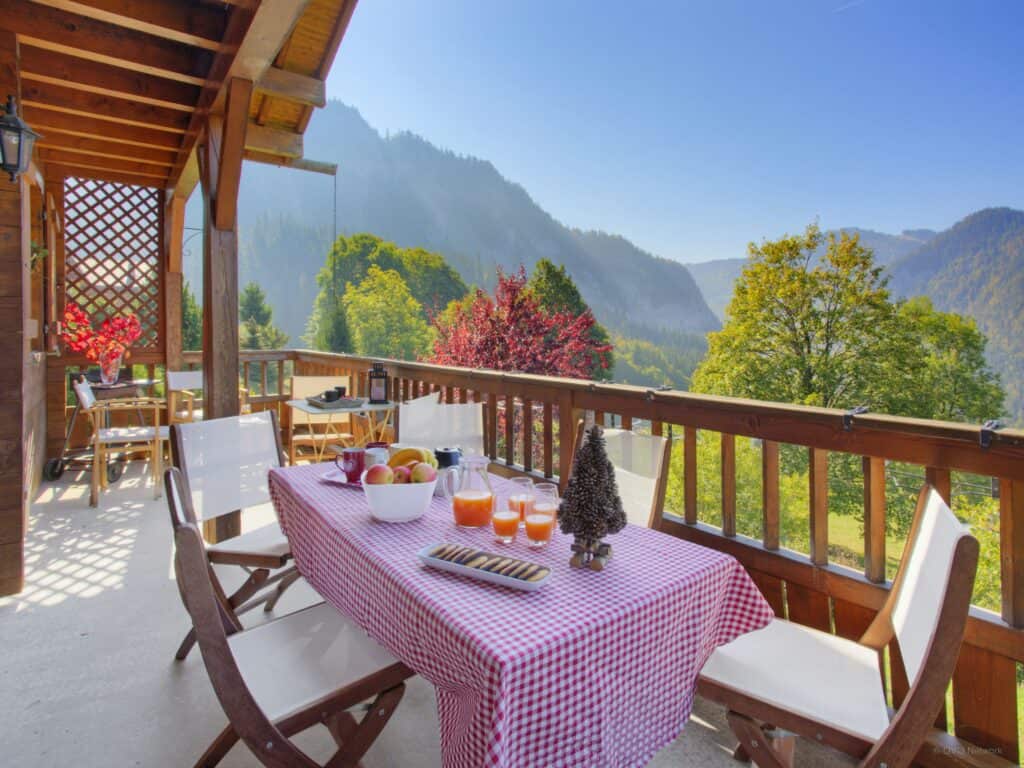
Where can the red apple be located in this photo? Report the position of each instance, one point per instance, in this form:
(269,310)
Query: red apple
(423,473)
(402,475)
(379,474)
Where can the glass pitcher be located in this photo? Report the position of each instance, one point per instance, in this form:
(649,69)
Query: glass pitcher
(468,488)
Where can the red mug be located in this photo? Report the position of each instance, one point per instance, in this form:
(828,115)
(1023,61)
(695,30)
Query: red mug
(352,462)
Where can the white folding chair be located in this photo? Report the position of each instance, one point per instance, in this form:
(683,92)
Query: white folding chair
(105,439)
(448,425)
(830,689)
(181,396)
(316,430)
(224,465)
(641,465)
(285,676)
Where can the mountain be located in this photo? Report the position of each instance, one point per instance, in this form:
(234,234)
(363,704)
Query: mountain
(404,189)
(976,268)
(716,277)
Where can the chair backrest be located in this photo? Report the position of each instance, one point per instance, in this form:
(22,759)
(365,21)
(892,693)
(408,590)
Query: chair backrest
(243,712)
(641,465)
(179,380)
(226,461)
(924,580)
(414,414)
(84,393)
(448,425)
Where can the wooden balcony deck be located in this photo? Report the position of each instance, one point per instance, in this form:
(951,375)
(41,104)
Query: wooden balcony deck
(88,645)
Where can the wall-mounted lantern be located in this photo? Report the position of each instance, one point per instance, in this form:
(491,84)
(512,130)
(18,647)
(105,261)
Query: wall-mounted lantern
(16,141)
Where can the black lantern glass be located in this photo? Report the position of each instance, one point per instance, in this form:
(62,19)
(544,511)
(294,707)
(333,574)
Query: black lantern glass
(16,141)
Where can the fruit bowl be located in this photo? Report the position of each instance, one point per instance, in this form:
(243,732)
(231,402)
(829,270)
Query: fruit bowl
(398,503)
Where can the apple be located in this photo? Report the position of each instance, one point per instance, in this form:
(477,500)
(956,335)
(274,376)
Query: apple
(423,473)
(379,474)
(402,475)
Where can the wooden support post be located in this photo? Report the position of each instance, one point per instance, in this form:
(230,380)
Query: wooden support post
(174,228)
(566,436)
(220,166)
(874,519)
(818,465)
(770,494)
(728,485)
(1011,547)
(940,480)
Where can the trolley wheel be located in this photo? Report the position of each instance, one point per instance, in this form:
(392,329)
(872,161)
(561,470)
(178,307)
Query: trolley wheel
(114,471)
(53,469)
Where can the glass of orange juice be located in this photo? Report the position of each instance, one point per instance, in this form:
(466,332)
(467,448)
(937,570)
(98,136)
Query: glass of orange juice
(506,525)
(520,496)
(540,522)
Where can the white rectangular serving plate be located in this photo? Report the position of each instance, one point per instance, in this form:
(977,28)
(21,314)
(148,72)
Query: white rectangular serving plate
(475,573)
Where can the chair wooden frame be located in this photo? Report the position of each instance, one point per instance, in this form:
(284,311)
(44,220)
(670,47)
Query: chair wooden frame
(264,571)
(912,723)
(176,414)
(270,741)
(661,487)
(99,413)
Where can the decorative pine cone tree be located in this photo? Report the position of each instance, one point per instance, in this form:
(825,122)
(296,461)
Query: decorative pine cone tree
(591,507)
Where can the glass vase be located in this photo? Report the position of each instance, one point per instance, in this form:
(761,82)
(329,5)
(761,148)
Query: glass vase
(110,368)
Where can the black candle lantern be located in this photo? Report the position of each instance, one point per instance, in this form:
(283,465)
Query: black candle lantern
(378,379)
(16,142)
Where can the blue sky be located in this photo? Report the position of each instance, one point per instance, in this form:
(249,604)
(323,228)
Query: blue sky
(694,127)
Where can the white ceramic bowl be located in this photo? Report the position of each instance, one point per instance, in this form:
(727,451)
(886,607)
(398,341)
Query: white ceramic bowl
(398,503)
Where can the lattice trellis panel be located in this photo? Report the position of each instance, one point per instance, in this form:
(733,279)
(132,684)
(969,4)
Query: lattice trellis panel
(112,259)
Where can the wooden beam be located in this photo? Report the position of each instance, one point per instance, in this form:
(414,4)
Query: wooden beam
(690,475)
(232,149)
(186,175)
(297,163)
(60,69)
(100,148)
(48,121)
(260,139)
(78,35)
(332,50)
(54,170)
(187,23)
(174,231)
(293,86)
(770,507)
(109,108)
(75,160)
(728,450)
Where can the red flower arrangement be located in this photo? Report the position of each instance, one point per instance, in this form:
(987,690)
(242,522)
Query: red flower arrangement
(108,346)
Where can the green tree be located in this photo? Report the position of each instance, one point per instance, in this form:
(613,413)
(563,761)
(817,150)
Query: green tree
(556,291)
(955,382)
(427,276)
(814,331)
(255,317)
(384,318)
(191,320)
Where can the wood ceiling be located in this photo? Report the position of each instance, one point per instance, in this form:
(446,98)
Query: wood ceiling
(120,89)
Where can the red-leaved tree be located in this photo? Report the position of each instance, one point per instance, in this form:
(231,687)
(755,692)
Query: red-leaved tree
(512,332)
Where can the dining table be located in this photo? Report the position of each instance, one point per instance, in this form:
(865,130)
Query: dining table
(595,668)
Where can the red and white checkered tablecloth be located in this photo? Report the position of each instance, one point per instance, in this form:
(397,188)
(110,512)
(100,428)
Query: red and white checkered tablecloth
(593,669)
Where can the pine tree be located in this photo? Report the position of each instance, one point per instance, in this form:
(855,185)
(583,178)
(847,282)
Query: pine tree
(591,507)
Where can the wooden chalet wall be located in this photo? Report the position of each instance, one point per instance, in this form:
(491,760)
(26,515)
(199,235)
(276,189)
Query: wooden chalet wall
(22,368)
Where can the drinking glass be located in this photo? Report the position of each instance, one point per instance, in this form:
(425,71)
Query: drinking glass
(506,525)
(540,523)
(546,499)
(520,497)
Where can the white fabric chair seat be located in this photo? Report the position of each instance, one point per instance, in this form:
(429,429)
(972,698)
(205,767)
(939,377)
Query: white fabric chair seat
(131,434)
(291,662)
(807,672)
(266,540)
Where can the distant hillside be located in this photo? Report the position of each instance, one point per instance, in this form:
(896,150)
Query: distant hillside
(406,190)
(976,268)
(716,278)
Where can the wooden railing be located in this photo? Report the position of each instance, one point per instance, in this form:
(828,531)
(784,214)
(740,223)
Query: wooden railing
(529,426)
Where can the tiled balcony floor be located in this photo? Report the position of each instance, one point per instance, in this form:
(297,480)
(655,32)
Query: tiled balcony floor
(87,675)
